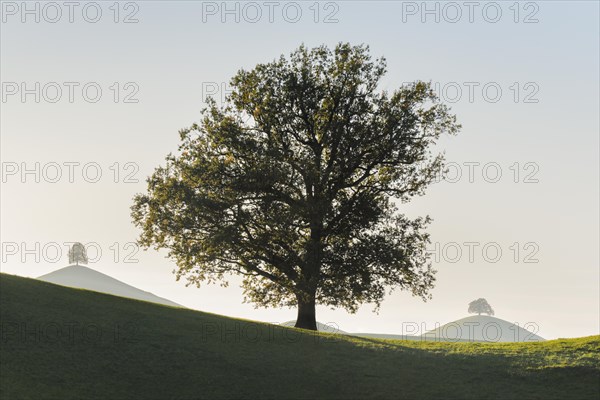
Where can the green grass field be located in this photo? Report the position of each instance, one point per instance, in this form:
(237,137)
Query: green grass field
(60,343)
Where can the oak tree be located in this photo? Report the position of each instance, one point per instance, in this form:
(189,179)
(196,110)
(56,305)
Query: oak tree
(480,306)
(294,184)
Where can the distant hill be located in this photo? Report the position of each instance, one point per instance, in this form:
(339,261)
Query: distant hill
(329,327)
(481,328)
(78,276)
(385,336)
(421,338)
(63,343)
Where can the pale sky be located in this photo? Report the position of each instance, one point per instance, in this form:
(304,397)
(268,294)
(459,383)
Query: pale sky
(526,93)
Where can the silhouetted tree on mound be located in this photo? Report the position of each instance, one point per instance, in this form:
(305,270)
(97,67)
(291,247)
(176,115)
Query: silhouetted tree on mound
(480,306)
(291,184)
(78,254)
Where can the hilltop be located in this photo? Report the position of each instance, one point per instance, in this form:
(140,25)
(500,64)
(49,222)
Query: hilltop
(63,343)
(78,276)
(482,328)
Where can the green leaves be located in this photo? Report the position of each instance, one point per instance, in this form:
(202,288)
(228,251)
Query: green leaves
(292,183)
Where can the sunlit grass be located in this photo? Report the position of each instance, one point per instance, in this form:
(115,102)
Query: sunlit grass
(151,351)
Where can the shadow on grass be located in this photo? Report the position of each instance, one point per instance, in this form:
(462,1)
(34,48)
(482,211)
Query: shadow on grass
(66,343)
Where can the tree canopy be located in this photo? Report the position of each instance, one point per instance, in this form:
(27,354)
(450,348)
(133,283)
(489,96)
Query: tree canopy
(480,306)
(78,254)
(294,182)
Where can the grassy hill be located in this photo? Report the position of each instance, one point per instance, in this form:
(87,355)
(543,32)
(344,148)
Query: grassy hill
(63,343)
(482,328)
(79,276)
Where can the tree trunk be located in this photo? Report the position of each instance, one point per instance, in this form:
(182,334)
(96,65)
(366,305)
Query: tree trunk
(307,318)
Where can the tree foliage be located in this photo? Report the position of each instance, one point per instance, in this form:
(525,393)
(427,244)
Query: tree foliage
(78,254)
(480,306)
(294,182)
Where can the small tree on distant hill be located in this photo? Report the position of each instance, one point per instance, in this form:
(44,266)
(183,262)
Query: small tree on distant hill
(77,254)
(480,306)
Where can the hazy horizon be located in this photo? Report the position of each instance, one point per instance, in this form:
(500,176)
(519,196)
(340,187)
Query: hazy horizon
(524,169)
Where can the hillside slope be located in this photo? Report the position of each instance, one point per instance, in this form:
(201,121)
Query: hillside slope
(482,328)
(329,327)
(78,276)
(62,343)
